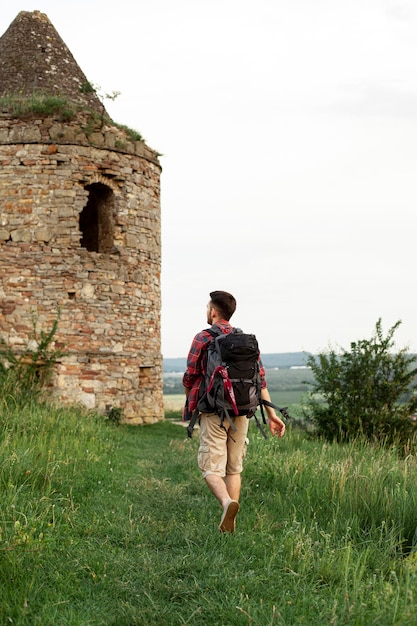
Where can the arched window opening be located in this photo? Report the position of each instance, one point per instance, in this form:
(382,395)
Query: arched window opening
(96,219)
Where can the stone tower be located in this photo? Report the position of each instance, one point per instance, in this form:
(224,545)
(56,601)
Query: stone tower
(79,228)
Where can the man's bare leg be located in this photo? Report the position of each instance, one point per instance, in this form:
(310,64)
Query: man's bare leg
(219,488)
(233,483)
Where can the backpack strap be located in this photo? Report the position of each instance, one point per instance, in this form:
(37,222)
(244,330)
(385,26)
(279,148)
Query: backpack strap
(225,386)
(282,410)
(227,389)
(192,423)
(259,425)
(224,415)
(214,331)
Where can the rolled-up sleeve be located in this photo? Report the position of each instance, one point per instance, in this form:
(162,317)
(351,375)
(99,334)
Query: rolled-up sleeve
(195,366)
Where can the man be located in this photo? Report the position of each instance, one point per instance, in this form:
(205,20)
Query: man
(221,452)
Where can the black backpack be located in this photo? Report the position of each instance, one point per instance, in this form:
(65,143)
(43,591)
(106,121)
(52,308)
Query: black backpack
(232,384)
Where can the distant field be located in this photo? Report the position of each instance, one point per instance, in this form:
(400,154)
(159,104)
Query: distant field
(175,402)
(285,398)
(279,380)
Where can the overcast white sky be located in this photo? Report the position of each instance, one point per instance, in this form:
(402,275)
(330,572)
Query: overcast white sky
(288,130)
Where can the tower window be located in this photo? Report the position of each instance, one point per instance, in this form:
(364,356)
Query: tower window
(96,219)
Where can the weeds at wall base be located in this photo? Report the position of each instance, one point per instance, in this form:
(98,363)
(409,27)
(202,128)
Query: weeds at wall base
(26,371)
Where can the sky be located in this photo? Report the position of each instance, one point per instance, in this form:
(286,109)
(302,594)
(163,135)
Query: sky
(288,135)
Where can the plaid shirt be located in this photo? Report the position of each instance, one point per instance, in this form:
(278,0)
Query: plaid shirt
(196,367)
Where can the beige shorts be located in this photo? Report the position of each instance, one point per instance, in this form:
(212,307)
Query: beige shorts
(222,450)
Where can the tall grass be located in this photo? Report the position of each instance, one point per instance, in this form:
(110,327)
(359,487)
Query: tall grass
(25,107)
(105,524)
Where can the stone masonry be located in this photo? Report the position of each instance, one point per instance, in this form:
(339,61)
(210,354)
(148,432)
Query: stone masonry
(80,233)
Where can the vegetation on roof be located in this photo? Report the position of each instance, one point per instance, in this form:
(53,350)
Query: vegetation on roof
(38,105)
(42,105)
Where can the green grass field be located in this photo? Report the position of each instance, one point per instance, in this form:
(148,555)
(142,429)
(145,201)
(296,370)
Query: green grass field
(112,525)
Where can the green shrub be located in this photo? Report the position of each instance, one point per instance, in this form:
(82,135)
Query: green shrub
(367,391)
(24,374)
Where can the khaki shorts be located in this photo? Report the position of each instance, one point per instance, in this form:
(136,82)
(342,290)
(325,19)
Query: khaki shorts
(222,450)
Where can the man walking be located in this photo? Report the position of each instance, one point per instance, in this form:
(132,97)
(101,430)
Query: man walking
(221,452)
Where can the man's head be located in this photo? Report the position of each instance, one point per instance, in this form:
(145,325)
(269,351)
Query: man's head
(224,305)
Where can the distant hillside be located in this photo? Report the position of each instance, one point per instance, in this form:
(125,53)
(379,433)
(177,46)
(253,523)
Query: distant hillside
(174,365)
(283,360)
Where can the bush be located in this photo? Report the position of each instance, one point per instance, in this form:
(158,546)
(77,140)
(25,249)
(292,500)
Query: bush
(24,374)
(368,391)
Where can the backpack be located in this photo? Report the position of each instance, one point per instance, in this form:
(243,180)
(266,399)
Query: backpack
(232,383)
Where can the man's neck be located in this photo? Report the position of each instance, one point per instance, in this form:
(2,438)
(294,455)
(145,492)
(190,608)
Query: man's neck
(218,320)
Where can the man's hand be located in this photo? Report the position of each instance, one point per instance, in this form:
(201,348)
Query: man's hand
(276,425)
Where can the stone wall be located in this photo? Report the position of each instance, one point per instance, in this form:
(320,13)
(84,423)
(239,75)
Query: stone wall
(108,296)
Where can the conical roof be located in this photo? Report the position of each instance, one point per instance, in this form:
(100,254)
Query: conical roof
(35,60)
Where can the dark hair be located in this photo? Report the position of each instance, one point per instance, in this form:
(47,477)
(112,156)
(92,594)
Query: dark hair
(224,302)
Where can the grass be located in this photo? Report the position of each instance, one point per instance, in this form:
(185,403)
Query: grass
(105,524)
(38,105)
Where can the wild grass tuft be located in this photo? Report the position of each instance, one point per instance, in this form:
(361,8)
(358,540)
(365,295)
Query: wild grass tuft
(42,105)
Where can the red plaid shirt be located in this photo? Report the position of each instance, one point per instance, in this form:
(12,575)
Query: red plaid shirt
(196,367)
